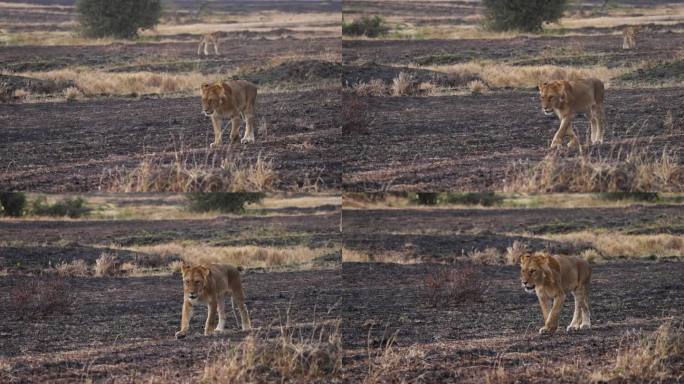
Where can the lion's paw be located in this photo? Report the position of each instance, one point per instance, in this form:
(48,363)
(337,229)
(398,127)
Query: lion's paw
(247,140)
(180,334)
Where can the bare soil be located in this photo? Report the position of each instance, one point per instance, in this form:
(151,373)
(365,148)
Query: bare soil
(467,143)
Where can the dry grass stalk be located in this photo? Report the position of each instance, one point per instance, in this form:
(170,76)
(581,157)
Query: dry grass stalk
(375,87)
(77,268)
(608,245)
(402,85)
(514,252)
(477,86)
(72,94)
(289,357)
(487,256)
(106,265)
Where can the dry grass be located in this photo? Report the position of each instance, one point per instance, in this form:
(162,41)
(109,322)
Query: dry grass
(77,268)
(513,253)
(611,245)
(386,363)
(453,285)
(92,83)
(402,85)
(375,87)
(655,357)
(290,357)
(106,265)
(21,94)
(408,257)
(634,170)
(248,256)
(477,86)
(487,256)
(184,173)
(72,94)
(33,298)
(496,75)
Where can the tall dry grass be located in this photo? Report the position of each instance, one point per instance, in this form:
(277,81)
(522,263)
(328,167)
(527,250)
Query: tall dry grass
(291,357)
(610,245)
(186,173)
(632,170)
(249,256)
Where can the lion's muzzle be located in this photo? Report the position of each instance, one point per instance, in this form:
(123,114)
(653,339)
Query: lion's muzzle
(529,288)
(547,112)
(208,113)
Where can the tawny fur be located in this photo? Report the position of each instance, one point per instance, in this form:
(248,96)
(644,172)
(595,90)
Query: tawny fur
(210,285)
(629,35)
(230,100)
(208,40)
(568,98)
(552,278)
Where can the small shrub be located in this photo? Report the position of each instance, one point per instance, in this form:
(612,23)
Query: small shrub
(521,15)
(365,26)
(488,256)
(424,198)
(106,265)
(514,252)
(375,87)
(12,203)
(354,115)
(453,285)
(77,268)
(71,207)
(72,94)
(118,18)
(477,86)
(35,298)
(402,85)
(228,202)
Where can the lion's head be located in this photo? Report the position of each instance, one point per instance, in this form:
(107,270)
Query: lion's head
(195,279)
(214,97)
(553,95)
(533,270)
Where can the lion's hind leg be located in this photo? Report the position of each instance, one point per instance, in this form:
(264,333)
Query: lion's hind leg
(586,315)
(576,317)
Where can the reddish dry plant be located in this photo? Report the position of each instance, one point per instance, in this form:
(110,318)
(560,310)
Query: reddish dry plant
(451,285)
(355,118)
(37,298)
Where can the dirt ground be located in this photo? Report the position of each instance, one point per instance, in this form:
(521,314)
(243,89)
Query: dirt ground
(468,142)
(466,340)
(55,146)
(121,329)
(463,342)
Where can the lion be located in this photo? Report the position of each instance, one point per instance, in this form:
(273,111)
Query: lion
(230,99)
(206,41)
(552,278)
(568,98)
(629,35)
(210,284)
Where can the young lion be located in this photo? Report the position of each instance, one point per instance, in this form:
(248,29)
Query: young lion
(209,39)
(210,284)
(568,98)
(629,35)
(552,278)
(230,99)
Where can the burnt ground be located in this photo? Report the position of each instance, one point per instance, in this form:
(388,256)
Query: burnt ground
(122,329)
(462,341)
(467,143)
(69,146)
(30,245)
(442,235)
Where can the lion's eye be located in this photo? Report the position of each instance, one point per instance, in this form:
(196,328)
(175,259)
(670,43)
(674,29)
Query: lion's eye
(532,270)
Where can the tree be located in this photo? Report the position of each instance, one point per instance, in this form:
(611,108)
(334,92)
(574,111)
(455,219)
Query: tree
(118,18)
(521,15)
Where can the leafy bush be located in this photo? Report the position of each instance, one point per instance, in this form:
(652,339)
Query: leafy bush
(228,202)
(12,203)
(71,207)
(118,18)
(521,15)
(486,199)
(366,26)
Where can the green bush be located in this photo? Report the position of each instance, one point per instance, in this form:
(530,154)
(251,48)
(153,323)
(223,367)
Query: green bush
(118,18)
(366,26)
(486,199)
(12,203)
(521,15)
(228,202)
(71,207)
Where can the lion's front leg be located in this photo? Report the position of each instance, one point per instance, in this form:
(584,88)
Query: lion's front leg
(217,122)
(235,129)
(552,321)
(544,304)
(210,324)
(249,131)
(558,137)
(185,320)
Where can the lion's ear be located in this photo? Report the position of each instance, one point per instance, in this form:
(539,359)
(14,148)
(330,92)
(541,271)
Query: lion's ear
(524,258)
(542,85)
(566,88)
(205,272)
(184,267)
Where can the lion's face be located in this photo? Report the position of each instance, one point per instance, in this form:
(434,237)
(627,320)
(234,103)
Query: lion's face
(552,97)
(194,281)
(213,95)
(531,271)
